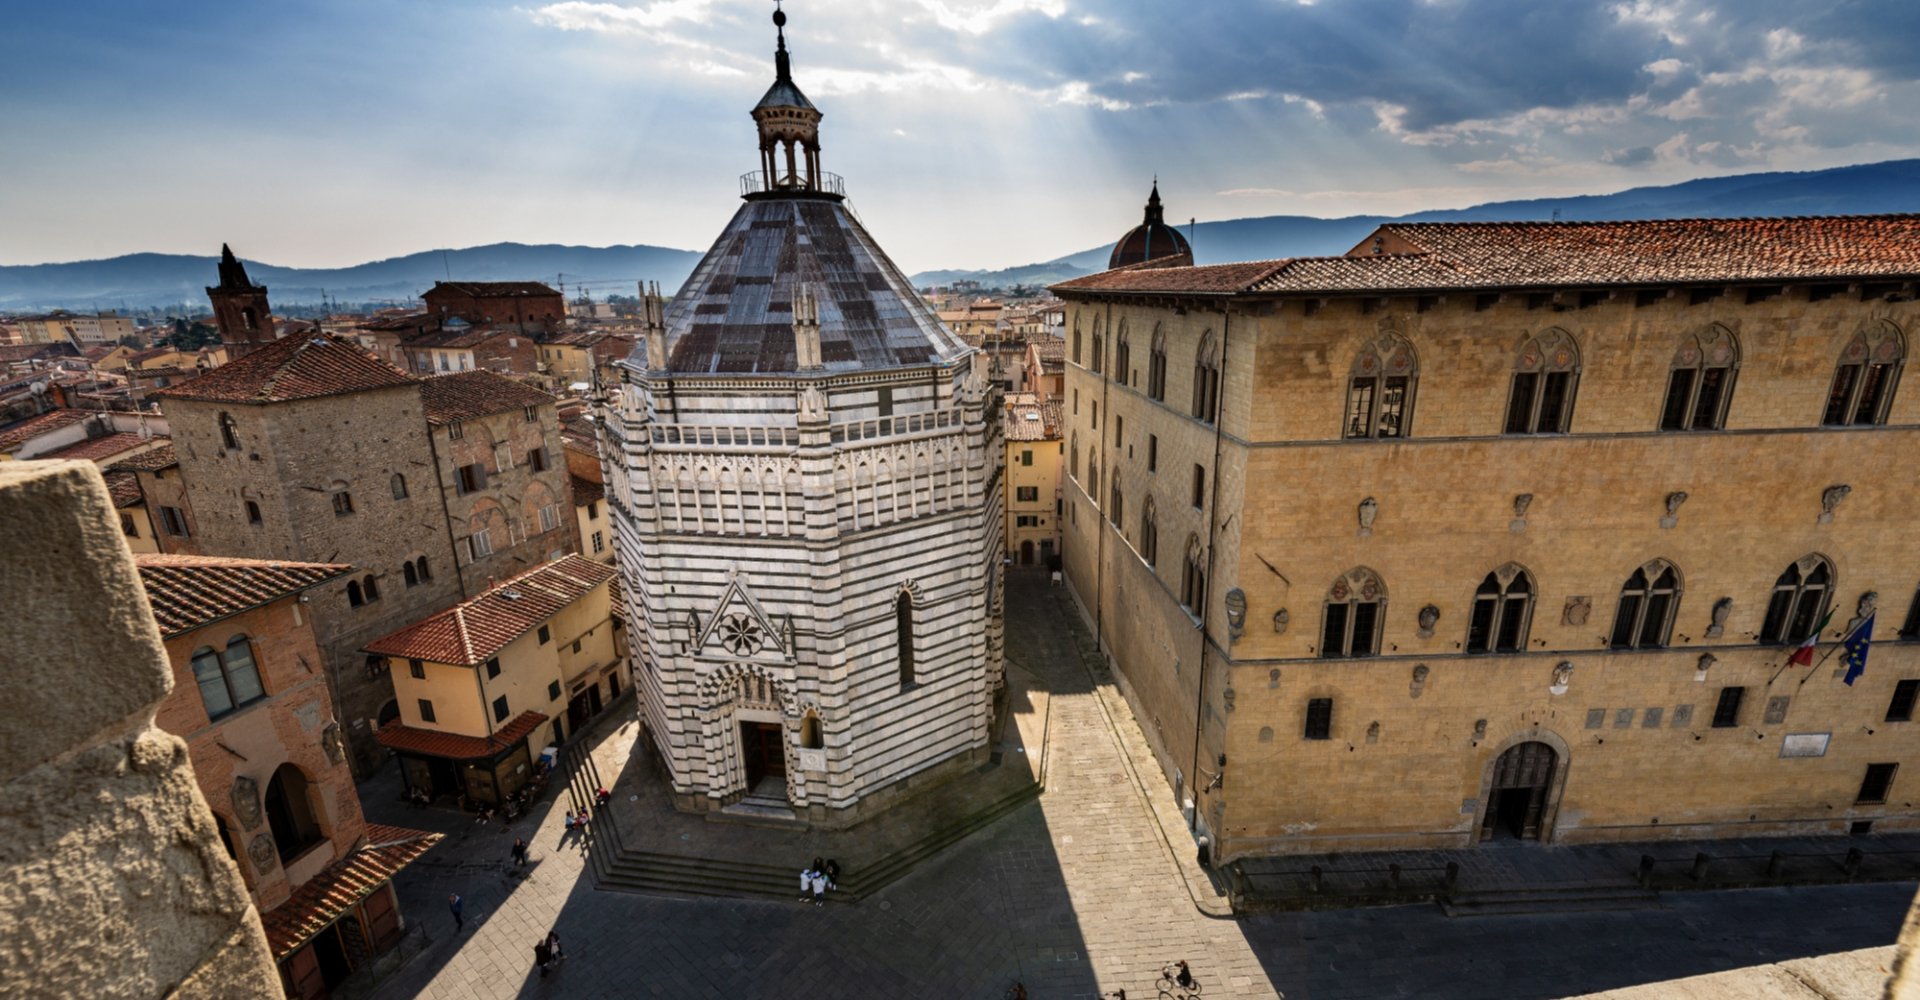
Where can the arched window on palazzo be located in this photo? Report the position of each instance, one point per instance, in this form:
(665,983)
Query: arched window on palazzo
(1545,377)
(1798,602)
(1380,389)
(1700,386)
(1502,612)
(1868,372)
(1648,602)
(1356,606)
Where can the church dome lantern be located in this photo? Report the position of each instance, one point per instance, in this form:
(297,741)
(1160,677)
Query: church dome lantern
(1152,240)
(789,127)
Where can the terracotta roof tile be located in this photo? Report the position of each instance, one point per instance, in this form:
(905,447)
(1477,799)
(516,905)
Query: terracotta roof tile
(303,367)
(188,592)
(1443,256)
(95,449)
(469,395)
(494,288)
(1029,419)
(453,746)
(322,899)
(148,461)
(32,427)
(586,491)
(124,488)
(474,630)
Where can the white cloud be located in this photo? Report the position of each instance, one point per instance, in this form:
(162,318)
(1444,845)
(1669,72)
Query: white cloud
(978,19)
(582,15)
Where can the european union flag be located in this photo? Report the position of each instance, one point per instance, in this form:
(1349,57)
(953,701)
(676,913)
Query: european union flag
(1856,650)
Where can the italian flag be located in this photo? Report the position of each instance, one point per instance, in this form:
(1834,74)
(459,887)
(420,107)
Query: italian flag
(1804,655)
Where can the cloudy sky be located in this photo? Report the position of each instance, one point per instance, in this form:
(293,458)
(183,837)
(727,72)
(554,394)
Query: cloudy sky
(972,133)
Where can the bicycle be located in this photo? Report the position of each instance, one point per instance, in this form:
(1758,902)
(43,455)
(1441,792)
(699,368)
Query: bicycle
(1169,983)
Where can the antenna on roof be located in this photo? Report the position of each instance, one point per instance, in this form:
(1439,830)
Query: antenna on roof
(1190,228)
(1556,215)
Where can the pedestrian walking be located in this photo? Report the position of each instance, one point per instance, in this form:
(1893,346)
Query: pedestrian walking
(542,956)
(454,903)
(519,852)
(553,943)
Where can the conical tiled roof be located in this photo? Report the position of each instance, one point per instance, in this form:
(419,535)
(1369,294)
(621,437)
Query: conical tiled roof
(735,314)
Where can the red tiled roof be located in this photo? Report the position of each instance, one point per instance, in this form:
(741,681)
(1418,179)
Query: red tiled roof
(37,352)
(164,371)
(188,592)
(147,461)
(453,746)
(1442,256)
(1029,419)
(32,427)
(95,449)
(474,630)
(302,367)
(1049,348)
(322,899)
(124,488)
(586,491)
(148,355)
(486,289)
(468,395)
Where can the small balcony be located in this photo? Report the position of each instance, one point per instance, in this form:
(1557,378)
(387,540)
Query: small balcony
(757,182)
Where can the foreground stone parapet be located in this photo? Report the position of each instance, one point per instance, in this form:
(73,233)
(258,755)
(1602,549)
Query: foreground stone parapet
(113,881)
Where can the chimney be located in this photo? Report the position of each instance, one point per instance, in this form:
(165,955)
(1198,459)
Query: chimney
(654,320)
(806,330)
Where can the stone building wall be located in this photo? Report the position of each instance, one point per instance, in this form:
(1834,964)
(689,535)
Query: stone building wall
(508,508)
(102,826)
(1407,762)
(308,449)
(235,757)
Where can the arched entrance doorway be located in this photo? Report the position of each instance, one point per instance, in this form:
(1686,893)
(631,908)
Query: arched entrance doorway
(1518,794)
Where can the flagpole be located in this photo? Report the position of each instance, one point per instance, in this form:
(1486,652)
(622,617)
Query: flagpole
(1842,644)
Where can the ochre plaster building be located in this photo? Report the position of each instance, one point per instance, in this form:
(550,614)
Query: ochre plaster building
(483,685)
(1035,456)
(1508,530)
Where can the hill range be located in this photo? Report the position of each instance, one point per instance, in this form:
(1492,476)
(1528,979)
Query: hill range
(151,280)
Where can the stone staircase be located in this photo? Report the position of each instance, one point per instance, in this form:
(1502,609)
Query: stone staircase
(622,870)
(1550,899)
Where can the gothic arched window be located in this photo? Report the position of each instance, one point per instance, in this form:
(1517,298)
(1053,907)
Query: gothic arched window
(1701,383)
(1073,458)
(1193,577)
(1122,354)
(1798,602)
(1647,605)
(228,679)
(1114,501)
(903,636)
(1157,366)
(1863,384)
(1098,360)
(1093,480)
(1355,608)
(1380,389)
(1150,534)
(229,432)
(1076,341)
(1502,611)
(1544,380)
(1206,378)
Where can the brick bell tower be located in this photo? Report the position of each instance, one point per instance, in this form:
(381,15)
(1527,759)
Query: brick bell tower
(239,308)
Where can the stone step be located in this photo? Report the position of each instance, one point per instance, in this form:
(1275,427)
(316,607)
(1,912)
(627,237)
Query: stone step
(1570,899)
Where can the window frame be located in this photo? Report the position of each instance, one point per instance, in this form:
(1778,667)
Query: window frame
(1341,612)
(1873,356)
(226,672)
(1381,366)
(1785,624)
(1712,350)
(1500,601)
(1727,706)
(1551,354)
(1318,723)
(1634,616)
(1886,773)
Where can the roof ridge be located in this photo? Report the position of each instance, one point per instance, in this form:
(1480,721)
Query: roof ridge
(1648,220)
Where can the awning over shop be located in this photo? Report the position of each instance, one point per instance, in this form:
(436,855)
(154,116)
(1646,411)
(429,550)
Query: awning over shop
(330,894)
(453,746)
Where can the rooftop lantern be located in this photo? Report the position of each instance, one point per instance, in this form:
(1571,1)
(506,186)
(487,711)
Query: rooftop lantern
(789,128)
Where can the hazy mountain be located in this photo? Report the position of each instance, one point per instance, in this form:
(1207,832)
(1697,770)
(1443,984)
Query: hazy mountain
(159,280)
(1893,186)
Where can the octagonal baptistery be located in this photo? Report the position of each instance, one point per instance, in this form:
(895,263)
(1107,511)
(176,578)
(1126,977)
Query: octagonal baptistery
(804,474)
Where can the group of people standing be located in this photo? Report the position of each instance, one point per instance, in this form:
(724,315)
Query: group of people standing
(817,878)
(548,952)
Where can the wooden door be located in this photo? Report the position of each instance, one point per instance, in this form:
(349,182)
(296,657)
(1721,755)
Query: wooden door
(382,919)
(1517,795)
(762,752)
(304,979)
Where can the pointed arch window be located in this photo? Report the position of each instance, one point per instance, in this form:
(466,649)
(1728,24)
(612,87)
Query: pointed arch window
(1122,355)
(1099,348)
(1502,612)
(1115,502)
(1206,379)
(1863,384)
(1380,389)
(1700,386)
(229,432)
(1798,602)
(1355,607)
(1073,458)
(1544,380)
(903,636)
(1150,534)
(1076,341)
(1093,480)
(1193,577)
(1157,365)
(1648,602)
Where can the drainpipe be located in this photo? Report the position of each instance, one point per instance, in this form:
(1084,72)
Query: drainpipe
(1206,600)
